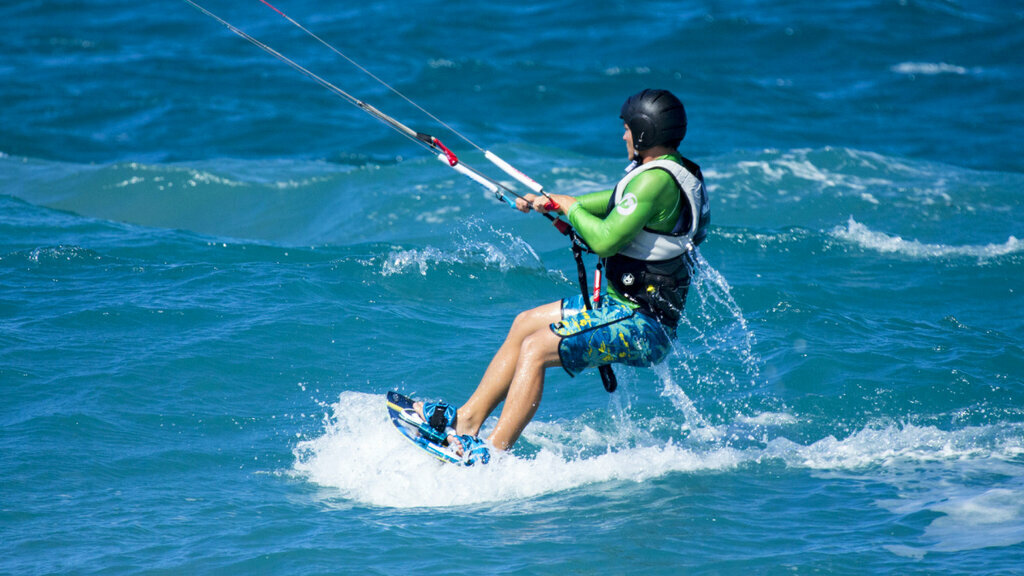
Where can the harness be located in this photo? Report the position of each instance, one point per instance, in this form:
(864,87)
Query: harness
(654,269)
(608,379)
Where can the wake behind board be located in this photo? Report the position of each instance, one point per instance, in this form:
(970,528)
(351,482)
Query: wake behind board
(413,427)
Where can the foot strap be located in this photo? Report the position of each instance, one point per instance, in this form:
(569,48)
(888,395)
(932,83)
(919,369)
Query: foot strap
(440,415)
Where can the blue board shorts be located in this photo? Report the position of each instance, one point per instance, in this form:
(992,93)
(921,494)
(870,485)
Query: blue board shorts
(610,333)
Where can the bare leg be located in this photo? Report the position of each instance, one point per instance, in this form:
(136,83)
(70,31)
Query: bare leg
(539,351)
(495,384)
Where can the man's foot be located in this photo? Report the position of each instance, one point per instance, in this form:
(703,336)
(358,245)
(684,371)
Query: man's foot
(443,418)
(471,448)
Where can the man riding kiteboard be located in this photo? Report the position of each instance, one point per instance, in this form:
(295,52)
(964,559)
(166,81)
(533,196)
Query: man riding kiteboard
(646,231)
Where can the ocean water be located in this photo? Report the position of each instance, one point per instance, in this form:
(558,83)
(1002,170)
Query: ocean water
(212,269)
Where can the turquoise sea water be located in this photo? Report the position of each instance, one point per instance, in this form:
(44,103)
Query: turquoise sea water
(211,270)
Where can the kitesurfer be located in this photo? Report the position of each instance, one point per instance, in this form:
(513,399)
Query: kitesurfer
(646,231)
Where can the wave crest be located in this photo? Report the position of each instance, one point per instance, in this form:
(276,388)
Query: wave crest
(931,69)
(860,235)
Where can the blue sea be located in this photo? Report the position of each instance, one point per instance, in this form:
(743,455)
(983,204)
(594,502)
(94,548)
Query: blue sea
(212,270)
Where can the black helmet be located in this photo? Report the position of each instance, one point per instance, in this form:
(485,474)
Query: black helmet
(655,117)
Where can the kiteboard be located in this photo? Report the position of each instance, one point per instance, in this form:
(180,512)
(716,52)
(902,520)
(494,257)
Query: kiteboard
(413,427)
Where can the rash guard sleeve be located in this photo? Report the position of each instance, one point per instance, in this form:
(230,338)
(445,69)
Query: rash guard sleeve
(641,201)
(595,203)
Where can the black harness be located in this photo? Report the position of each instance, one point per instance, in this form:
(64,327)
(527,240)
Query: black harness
(659,288)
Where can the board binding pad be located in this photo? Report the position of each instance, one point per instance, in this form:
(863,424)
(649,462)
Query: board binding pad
(413,427)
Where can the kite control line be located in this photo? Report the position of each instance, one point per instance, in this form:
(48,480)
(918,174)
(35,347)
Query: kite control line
(436,147)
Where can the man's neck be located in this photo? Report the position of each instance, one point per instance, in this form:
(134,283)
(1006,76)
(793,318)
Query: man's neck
(655,153)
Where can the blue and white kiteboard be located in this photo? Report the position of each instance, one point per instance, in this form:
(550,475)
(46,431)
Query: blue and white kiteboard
(413,427)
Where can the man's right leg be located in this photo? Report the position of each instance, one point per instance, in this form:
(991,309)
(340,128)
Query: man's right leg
(494,385)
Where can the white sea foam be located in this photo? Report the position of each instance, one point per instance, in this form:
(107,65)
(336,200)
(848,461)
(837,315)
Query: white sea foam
(768,419)
(429,258)
(437,63)
(356,456)
(61,253)
(165,173)
(356,459)
(618,71)
(932,470)
(877,445)
(403,261)
(864,237)
(795,172)
(438,216)
(129,182)
(501,250)
(930,69)
(974,518)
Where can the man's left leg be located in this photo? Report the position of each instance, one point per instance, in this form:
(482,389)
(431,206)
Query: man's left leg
(496,381)
(539,352)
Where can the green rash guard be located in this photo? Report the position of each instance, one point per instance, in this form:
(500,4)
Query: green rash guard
(657,209)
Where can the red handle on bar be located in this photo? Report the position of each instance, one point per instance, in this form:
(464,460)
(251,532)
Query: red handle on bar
(452,158)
